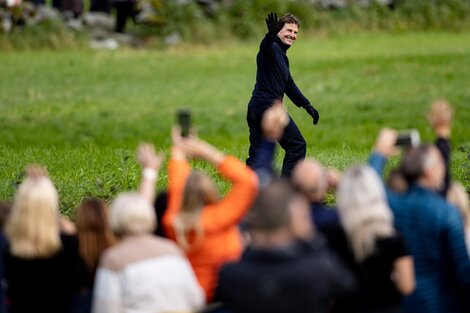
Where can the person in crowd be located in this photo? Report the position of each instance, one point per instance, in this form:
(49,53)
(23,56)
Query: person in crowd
(440,118)
(100,6)
(125,9)
(458,196)
(142,272)
(433,229)
(273,80)
(94,236)
(369,244)
(277,272)
(38,2)
(202,223)
(42,266)
(73,8)
(5,209)
(313,180)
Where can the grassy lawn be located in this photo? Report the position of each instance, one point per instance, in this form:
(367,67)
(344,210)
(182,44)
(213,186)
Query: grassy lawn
(82,113)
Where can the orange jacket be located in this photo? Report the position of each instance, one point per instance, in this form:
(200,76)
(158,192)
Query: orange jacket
(221,241)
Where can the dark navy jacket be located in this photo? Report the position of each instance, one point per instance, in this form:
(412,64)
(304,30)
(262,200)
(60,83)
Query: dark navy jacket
(434,234)
(273,78)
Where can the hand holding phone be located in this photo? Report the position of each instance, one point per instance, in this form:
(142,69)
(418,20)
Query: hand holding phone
(408,139)
(184,121)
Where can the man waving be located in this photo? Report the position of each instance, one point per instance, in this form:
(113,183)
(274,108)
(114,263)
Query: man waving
(273,80)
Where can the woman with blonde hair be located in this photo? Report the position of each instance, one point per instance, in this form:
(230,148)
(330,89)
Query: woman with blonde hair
(370,245)
(41,264)
(201,222)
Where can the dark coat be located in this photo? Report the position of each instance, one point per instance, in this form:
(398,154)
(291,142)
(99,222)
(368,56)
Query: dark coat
(299,278)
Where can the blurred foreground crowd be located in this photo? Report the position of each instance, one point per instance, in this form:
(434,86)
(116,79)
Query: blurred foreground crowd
(271,244)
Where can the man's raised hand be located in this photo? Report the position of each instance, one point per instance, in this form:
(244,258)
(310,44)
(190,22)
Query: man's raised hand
(272,23)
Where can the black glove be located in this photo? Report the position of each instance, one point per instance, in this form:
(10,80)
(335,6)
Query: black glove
(273,24)
(313,113)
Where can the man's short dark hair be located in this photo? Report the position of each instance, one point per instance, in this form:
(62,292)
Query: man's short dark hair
(414,161)
(289,19)
(271,212)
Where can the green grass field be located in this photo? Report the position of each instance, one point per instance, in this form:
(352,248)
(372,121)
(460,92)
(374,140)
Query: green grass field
(82,113)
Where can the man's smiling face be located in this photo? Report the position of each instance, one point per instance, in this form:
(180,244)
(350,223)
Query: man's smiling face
(288,33)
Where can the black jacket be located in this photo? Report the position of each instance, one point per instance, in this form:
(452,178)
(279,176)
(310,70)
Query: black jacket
(299,278)
(273,78)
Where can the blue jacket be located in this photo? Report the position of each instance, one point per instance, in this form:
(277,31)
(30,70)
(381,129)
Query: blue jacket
(434,233)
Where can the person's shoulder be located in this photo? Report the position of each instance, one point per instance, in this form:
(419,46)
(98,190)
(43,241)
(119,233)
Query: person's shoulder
(69,241)
(233,272)
(275,47)
(393,245)
(131,250)
(166,246)
(67,238)
(229,268)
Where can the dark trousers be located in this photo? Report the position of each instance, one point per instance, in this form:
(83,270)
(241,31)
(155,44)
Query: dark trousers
(292,140)
(100,6)
(124,10)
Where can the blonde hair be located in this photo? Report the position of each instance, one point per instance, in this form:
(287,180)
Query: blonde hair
(33,225)
(457,195)
(363,209)
(199,191)
(132,214)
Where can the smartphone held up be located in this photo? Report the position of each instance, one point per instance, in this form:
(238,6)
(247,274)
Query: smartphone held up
(183,117)
(409,138)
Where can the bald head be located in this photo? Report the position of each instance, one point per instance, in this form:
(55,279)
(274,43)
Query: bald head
(310,177)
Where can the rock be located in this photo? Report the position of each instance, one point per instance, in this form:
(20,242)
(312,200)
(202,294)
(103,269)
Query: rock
(99,20)
(5,23)
(45,13)
(172,39)
(75,24)
(107,44)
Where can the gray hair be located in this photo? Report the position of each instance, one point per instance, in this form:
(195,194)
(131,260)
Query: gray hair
(132,214)
(415,161)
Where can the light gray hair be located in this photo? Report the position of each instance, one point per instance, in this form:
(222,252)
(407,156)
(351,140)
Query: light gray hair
(132,214)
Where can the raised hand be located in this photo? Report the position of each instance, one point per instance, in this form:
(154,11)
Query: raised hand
(148,158)
(385,143)
(274,120)
(313,113)
(150,163)
(272,23)
(36,171)
(193,147)
(440,118)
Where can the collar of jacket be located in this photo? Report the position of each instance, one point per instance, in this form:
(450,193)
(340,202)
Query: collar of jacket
(283,46)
